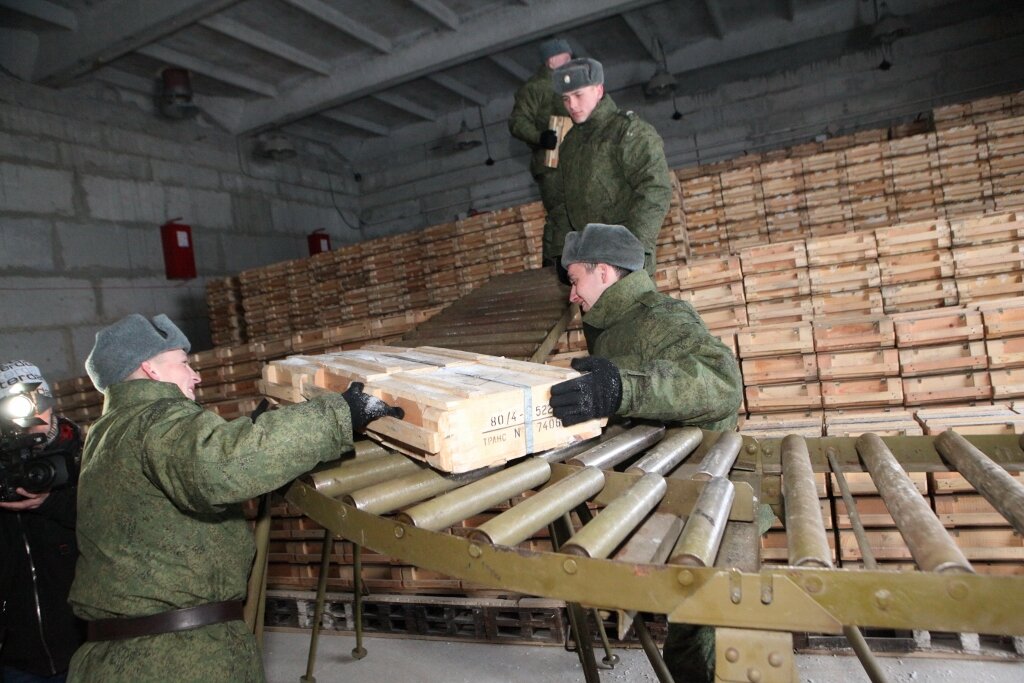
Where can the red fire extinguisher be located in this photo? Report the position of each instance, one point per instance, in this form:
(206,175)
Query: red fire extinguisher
(179,253)
(318,241)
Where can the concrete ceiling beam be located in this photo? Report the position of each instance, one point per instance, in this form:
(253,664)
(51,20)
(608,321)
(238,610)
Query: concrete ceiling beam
(488,34)
(44,10)
(344,23)
(199,66)
(642,30)
(511,66)
(357,122)
(406,105)
(439,11)
(459,88)
(715,15)
(111,29)
(261,41)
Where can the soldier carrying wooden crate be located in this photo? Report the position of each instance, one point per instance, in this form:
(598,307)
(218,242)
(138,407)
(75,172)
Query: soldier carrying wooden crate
(653,358)
(165,547)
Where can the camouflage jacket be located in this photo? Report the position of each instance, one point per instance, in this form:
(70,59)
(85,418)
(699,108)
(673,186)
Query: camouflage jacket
(672,368)
(535,103)
(160,525)
(613,170)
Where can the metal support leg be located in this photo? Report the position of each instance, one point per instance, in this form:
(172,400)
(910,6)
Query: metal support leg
(318,612)
(610,659)
(561,530)
(651,648)
(256,593)
(358,651)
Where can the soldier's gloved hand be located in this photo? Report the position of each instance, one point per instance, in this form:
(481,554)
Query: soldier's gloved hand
(596,394)
(548,139)
(366,408)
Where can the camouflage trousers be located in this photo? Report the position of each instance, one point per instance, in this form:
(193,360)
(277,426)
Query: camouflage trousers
(225,653)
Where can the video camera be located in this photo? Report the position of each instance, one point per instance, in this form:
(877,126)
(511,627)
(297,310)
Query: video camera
(24,462)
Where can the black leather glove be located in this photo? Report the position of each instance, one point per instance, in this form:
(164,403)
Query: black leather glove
(548,139)
(366,408)
(596,394)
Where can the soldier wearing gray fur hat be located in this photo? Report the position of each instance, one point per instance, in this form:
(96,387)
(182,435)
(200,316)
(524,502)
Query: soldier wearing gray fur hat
(165,548)
(611,164)
(651,357)
(535,103)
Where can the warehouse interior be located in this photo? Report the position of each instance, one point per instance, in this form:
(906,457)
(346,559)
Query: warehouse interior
(834,158)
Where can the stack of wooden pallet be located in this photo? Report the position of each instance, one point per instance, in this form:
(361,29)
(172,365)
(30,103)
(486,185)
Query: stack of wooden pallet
(227,318)
(972,163)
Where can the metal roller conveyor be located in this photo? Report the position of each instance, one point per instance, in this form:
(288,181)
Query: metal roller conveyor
(808,545)
(931,546)
(651,541)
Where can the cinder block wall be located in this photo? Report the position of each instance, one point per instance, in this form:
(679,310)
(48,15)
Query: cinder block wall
(85,185)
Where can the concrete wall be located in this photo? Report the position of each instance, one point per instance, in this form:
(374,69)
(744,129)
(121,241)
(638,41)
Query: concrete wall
(749,105)
(85,185)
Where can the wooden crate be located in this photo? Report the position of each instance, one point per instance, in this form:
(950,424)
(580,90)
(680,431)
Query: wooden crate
(773,340)
(916,296)
(777,311)
(917,266)
(778,425)
(1010,423)
(960,510)
(997,228)
(828,251)
(772,257)
(844,277)
(849,334)
(935,360)
(871,510)
(463,410)
(862,302)
(854,393)
(774,547)
(1007,383)
(988,259)
(924,328)
(880,421)
(861,484)
(950,388)
(712,271)
(715,296)
(858,364)
(729,318)
(781,284)
(1005,353)
(944,483)
(927,235)
(780,369)
(989,287)
(784,397)
(1003,318)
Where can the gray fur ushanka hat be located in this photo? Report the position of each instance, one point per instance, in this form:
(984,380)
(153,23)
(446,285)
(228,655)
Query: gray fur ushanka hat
(120,348)
(601,243)
(576,74)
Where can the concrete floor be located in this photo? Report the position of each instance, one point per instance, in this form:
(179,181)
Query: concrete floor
(427,661)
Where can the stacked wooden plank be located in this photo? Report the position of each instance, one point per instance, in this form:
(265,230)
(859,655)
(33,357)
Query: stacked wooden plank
(714,287)
(1004,344)
(227,317)
(916,266)
(78,400)
(942,357)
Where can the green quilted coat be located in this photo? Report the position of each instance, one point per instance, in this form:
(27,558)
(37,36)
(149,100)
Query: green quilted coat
(613,170)
(535,103)
(672,368)
(160,525)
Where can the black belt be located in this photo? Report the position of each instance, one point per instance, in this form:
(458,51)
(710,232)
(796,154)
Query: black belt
(165,622)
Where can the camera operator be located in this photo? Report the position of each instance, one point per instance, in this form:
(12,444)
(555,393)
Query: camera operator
(38,631)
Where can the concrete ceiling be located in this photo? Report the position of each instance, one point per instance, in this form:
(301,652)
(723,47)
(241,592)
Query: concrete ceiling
(349,73)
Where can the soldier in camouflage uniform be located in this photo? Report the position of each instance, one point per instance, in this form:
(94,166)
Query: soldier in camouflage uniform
(165,547)
(652,358)
(535,103)
(611,165)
